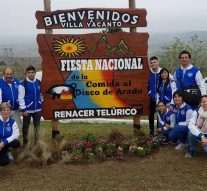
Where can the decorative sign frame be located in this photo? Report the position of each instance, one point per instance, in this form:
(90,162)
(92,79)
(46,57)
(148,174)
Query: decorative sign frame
(91,18)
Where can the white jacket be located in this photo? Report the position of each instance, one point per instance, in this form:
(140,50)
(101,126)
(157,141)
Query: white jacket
(193,124)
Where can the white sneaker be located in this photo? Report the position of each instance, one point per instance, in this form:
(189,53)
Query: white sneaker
(10,156)
(181,146)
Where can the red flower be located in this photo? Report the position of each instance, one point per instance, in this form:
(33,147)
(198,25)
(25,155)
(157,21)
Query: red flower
(88,144)
(74,144)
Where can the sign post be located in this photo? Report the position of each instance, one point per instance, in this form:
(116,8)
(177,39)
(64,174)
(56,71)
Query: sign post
(47,7)
(136,119)
(132,5)
(55,123)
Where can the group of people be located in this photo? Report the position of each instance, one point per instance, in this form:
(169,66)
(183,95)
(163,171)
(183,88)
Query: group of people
(181,119)
(181,104)
(15,97)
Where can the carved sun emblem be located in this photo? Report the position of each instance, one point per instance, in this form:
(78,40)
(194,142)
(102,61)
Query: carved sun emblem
(66,47)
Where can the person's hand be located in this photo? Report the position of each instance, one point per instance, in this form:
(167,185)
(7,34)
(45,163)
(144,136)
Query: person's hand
(158,130)
(25,114)
(204,140)
(167,126)
(1,146)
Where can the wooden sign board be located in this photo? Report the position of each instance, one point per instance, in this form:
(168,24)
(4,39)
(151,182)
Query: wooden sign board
(94,75)
(91,18)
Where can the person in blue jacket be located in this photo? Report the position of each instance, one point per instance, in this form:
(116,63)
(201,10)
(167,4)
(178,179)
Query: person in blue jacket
(9,93)
(30,101)
(9,133)
(152,90)
(166,121)
(183,114)
(188,76)
(166,87)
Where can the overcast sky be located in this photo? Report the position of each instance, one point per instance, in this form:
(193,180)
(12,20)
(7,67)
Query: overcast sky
(17,17)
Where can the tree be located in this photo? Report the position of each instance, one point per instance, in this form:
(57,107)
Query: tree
(197,48)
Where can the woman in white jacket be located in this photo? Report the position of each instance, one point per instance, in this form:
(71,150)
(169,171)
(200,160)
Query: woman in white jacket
(198,128)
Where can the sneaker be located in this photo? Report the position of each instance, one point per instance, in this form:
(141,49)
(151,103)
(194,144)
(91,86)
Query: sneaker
(181,146)
(10,156)
(190,154)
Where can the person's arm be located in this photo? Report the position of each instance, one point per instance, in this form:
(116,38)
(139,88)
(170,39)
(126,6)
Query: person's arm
(171,77)
(41,97)
(192,125)
(21,95)
(157,98)
(172,121)
(176,81)
(174,89)
(0,96)
(14,136)
(168,93)
(200,82)
(161,122)
(148,87)
(189,114)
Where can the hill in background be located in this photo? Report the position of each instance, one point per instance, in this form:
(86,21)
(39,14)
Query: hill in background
(27,46)
(23,51)
(157,41)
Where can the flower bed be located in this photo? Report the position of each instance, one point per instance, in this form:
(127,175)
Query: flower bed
(116,145)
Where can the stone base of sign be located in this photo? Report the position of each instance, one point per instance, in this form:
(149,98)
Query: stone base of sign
(100,120)
(103,120)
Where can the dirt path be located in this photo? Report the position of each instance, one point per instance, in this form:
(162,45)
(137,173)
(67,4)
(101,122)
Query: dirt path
(164,170)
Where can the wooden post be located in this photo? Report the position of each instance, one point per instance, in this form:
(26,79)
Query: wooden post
(132,4)
(136,119)
(47,7)
(55,123)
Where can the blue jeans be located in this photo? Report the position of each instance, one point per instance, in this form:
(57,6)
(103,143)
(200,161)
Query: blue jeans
(179,133)
(192,141)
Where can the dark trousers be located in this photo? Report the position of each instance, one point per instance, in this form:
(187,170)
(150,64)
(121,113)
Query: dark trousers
(4,160)
(26,122)
(152,108)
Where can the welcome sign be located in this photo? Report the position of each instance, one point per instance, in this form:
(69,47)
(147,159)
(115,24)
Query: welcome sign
(91,18)
(94,75)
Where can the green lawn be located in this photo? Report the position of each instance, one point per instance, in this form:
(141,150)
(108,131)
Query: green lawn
(71,131)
